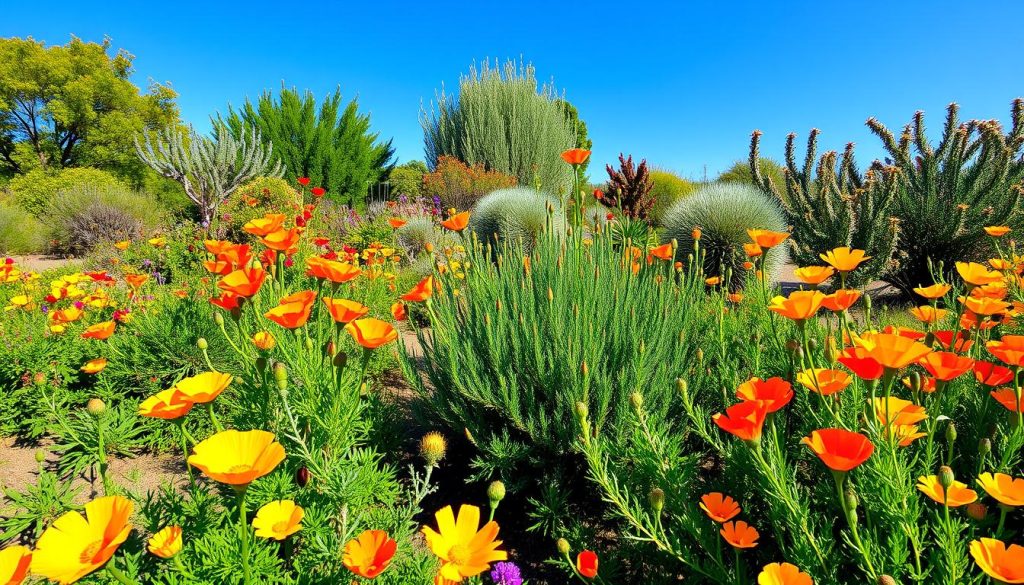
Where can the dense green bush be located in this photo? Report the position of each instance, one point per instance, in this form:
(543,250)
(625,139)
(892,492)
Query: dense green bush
(724,212)
(459,185)
(668,189)
(20,231)
(740,172)
(256,198)
(407,179)
(517,214)
(504,121)
(35,189)
(82,217)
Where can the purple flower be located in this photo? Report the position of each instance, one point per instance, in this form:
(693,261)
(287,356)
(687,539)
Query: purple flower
(45,309)
(506,573)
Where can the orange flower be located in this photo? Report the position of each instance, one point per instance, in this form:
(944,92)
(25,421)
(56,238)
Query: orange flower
(985,306)
(997,231)
(824,382)
(891,350)
(332,270)
(743,420)
(839,449)
(713,280)
(94,366)
(100,331)
(344,310)
(740,534)
(662,252)
(774,392)
(991,374)
(840,300)
(1002,563)
(457,222)
(957,495)
(136,280)
(767,238)
(217,247)
(977,274)
(371,333)
(204,387)
(844,259)
(928,314)
(263,226)
(752,250)
(735,297)
(1009,349)
(369,553)
(293,310)
(586,563)
(576,156)
(1009,399)
(896,411)
(166,404)
(264,340)
(397,222)
(935,291)
(421,292)
(75,545)
(799,306)
(398,312)
(1007,490)
(945,365)
(945,339)
(719,507)
(237,457)
(814,275)
(14,564)
(783,574)
(282,240)
(245,282)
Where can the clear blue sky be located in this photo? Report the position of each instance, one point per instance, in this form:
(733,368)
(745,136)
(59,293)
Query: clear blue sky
(681,84)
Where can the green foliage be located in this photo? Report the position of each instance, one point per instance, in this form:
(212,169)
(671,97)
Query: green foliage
(460,185)
(33,509)
(517,214)
(834,206)
(332,146)
(407,178)
(724,212)
(84,217)
(256,198)
(20,232)
(35,190)
(418,232)
(582,139)
(75,105)
(502,120)
(740,172)
(668,189)
(973,177)
(629,188)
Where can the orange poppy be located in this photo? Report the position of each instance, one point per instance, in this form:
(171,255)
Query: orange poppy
(332,270)
(744,420)
(1002,563)
(136,280)
(719,507)
(575,156)
(839,449)
(398,312)
(957,495)
(713,280)
(1007,490)
(15,561)
(369,554)
(166,404)
(1009,349)
(76,545)
(237,457)
(752,250)
(293,310)
(100,330)
(457,222)
(997,231)
(1009,399)
(94,366)
(245,282)
(840,300)
(371,333)
(977,274)
(662,252)
(397,222)
(265,225)
(216,247)
(945,339)
(814,275)
(897,411)
(264,340)
(344,310)
(985,306)
(421,292)
(767,238)
(844,259)
(891,350)
(740,534)
(783,574)
(946,365)
(218,267)
(226,301)
(991,374)
(586,563)
(935,291)
(928,314)
(799,306)
(927,383)
(774,392)
(282,240)
(823,381)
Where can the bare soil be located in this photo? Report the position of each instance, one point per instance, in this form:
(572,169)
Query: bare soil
(40,263)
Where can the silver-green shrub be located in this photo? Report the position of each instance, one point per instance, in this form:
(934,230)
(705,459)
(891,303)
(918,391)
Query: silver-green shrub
(724,212)
(669,189)
(503,119)
(419,231)
(20,232)
(83,216)
(515,214)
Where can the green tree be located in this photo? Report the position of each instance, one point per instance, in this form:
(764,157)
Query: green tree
(73,105)
(582,140)
(332,145)
(407,178)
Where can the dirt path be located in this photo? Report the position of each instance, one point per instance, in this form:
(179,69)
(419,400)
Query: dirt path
(40,263)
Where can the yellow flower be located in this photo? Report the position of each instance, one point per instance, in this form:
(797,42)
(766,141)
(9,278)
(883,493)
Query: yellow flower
(464,551)
(278,520)
(237,457)
(959,494)
(783,574)
(1009,491)
(166,543)
(158,242)
(74,546)
(814,275)
(204,387)
(122,245)
(14,564)
(264,340)
(844,259)
(94,366)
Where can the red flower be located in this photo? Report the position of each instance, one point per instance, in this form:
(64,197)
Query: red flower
(303,181)
(991,374)
(744,420)
(318,191)
(774,392)
(861,363)
(586,564)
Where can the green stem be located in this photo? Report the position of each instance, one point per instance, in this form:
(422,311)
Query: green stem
(243,526)
(102,455)
(213,417)
(851,520)
(184,451)
(1003,510)
(118,575)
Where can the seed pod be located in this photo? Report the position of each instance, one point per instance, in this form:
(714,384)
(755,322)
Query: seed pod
(984,446)
(96,407)
(218,319)
(495,493)
(302,477)
(563,546)
(951,433)
(281,376)
(201,343)
(886,580)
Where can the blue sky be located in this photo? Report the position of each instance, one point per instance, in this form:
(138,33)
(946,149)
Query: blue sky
(681,84)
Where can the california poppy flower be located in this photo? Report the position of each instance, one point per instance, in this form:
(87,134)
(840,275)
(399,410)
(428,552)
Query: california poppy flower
(752,250)
(14,564)
(75,545)
(824,381)
(957,495)
(122,245)
(991,374)
(839,449)
(891,350)
(265,225)
(371,333)
(845,259)
(1009,399)
(662,252)
(799,306)
(464,550)
(100,331)
(783,574)
(204,387)
(575,156)
(264,340)
(423,290)
(166,404)
(719,507)
(94,366)
(977,274)
(1002,563)
(586,563)
(217,247)
(945,365)
(774,392)
(897,411)
(245,282)
(740,534)
(136,280)
(303,181)
(766,238)
(166,543)
(744,420)
(1009,349)
(985,306)
(840,300)
(928,314)
(397,222)
(344,310)
(1007,490)
(457,222)
(293,310)
(282,240)
(945,339)
(997,231)
(332,270)
(935,291)
(713,280)
(398,312)
(814,275)
(237,457)
(227,301)
(369,554)
(278,519)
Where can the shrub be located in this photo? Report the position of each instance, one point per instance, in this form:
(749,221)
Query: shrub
(414,236)
(459,185)
(629,188)
(407,179)
(503,121)
(82,217)
(668,189)
(20,232)
(257,198)
(34,190)
(740,172)
(724,212)
(517,214)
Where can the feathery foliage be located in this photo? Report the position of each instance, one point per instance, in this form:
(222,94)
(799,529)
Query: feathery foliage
(518,214)
(459,185)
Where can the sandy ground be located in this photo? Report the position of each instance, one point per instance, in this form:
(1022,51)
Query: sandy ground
(40,263)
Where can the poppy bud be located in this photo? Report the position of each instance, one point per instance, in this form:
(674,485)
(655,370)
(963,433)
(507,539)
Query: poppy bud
(637,400)
(40,456)
(657,499)
(330,349)
(984,446)
(302,476)
(696,233)
(915,381)
(812,344)
(946,477)
(851,501)
(39,379)
(495,493)
(96,407)
(886,580)
(429,247)
(798,354)
(281,376)
(582,411)
(792,345)
(202,344)
(218,319)
(951,433)
(432,448)
(340,359)
(977,511)
(551,295)
(867,302)
(563,546)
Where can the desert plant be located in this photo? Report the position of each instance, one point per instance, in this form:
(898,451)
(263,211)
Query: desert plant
(834,205)
(459,185)
(502,120)
(668,189)
(20,232)
(83,217)
(517,213)
(34,190)
(210,169)
(629,188)
(723,212)
(973,177)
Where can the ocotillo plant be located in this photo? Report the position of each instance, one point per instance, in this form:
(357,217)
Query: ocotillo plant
(835,204)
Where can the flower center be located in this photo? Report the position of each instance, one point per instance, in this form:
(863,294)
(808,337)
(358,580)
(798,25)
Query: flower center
(459,554)
(280,527)
(240,468)
(89,552)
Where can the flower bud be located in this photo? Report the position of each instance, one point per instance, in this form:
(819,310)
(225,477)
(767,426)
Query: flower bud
(202,344)
(792,345)
(563,546)
(915,381)
(495,493)
(886,580)
(308,344)
(340,359)
(951,432)
(330,349)
(469,436)
(281,376)
(696,233)
(984,446)
(40,456)
(946,477)
(39,379)
(432,448)
(812,344)
(977,511)
(851,500)
(302,477)
(700,355)
(218,319)
(96,407)
(657,499)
